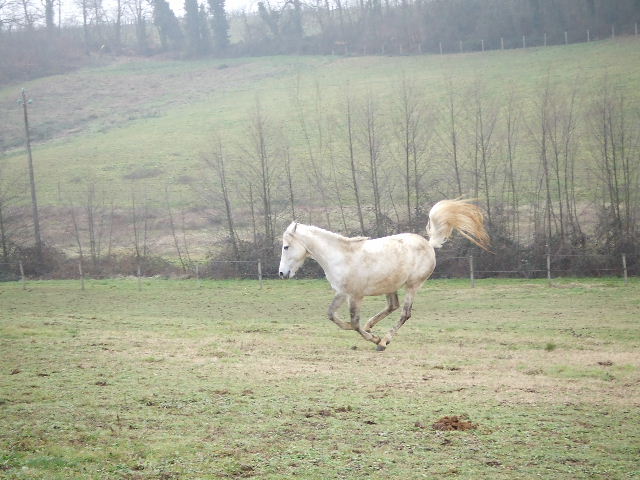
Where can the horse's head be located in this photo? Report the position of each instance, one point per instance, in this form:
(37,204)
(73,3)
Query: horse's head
(294,253)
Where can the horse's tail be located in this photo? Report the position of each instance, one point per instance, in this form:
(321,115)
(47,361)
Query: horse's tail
(461,215)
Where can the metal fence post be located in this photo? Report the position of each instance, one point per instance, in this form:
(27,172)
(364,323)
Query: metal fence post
(24,286)
(549,268)
(260,272)
(471,272)
(624,267)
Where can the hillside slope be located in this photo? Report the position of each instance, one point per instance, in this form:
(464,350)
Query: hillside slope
(143,125)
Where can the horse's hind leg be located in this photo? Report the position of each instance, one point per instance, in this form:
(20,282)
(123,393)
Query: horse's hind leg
(338,300)
(406,314)
(354,309)
(392,305)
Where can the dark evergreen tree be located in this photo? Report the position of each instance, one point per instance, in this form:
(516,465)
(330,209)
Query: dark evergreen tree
(192,27)
(220,25)
(167,23)
(205,32)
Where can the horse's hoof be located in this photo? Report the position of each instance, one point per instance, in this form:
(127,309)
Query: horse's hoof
(381,348)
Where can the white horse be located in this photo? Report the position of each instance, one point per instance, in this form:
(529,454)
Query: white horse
(359,267)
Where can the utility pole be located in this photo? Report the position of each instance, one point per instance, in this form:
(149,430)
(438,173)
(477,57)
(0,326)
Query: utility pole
(34,201)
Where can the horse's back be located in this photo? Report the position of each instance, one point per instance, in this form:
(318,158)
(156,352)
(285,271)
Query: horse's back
(383,265)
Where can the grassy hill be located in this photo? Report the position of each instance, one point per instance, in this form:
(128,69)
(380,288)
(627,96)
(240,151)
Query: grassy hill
(144,124)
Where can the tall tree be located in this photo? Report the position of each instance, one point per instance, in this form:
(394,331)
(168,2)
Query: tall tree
(193,26)
(219,25)
(168,27)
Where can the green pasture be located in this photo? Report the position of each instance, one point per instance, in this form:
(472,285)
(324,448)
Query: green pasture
(145,124)
(221,379)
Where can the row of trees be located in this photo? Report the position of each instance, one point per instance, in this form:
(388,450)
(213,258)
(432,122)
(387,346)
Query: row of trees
(557,172)
(34,40)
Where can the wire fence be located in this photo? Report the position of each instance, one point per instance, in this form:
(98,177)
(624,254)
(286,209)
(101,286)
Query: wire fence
(548,266)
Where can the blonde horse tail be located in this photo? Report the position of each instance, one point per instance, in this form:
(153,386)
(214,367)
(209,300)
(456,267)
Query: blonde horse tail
(461,215)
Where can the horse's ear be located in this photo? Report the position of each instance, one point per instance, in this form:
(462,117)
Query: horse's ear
(295,225)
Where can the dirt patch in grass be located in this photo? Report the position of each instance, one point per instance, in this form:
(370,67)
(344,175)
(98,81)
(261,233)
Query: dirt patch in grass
(453,423)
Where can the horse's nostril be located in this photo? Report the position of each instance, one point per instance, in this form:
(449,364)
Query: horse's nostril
(281,274)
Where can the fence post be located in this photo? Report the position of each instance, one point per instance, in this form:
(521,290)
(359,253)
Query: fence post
(545,38)
(524,41)
(460,46)
(24,286)
(482,41)
(588,35)
(624,267)
(471,272)
(501,43)
(81,275)
(260,272)
(549,268)
(197,273)
(566,38)
(636,29)
(139,279)
(440,48)
(613,32)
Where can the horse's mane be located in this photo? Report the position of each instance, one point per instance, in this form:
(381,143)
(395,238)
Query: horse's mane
(315,229)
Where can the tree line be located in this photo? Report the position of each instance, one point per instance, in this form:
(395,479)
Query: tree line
(556,172)
(35,41)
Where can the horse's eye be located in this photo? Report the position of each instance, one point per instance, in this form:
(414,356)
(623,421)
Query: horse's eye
(286,247)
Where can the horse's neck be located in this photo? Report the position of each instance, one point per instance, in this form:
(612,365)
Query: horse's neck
(325,248)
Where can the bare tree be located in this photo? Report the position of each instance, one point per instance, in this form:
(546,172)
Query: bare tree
(263,166)
(352,163)
(512,121)
(172,226)
(217,165)
(453,132)
(485,119)
(410,133)
(316,173)
(373,144)
(618,162)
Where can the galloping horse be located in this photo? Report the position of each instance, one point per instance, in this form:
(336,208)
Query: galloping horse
(359,267)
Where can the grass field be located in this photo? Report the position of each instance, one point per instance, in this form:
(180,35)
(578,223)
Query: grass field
(188,380)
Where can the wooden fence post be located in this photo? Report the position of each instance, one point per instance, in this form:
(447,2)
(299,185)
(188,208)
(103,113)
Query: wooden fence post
(566,38)
(471,272)
(524,41)
(588,35)
(440,48)
(24,286)
(260,272)
(624,267)
(139,279)
(501,43)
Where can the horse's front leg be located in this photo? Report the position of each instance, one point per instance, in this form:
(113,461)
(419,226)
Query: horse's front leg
(354,309)
(338,300)
(406,314)
(392,305)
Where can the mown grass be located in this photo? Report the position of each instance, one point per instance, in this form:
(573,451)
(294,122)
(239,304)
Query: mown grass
(221,379)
